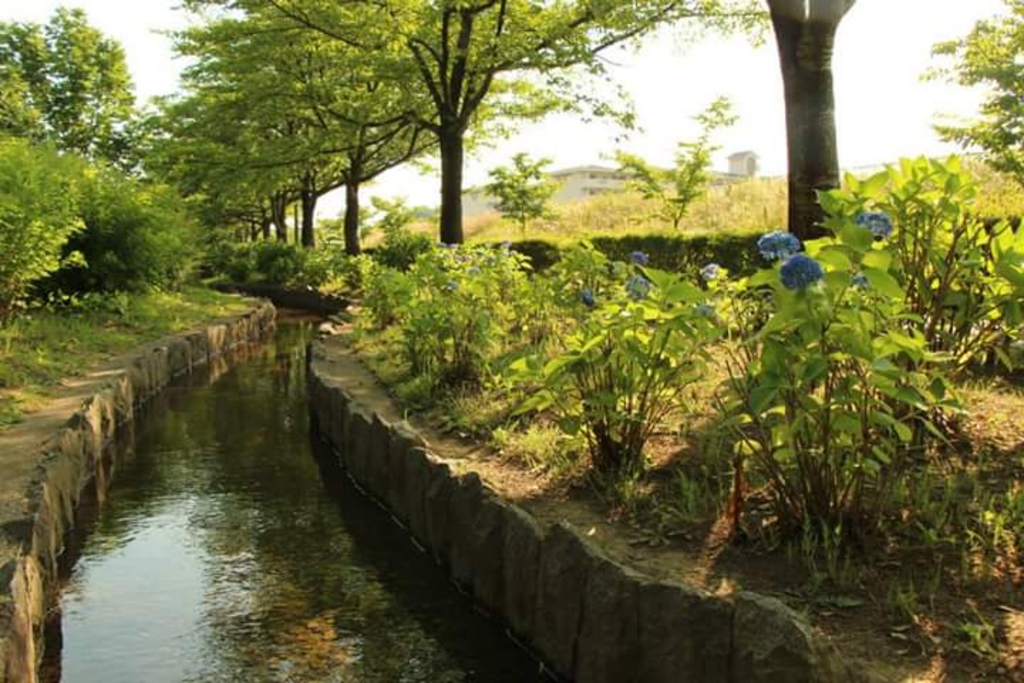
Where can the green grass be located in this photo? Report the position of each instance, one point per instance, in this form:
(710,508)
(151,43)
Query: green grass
(42,347)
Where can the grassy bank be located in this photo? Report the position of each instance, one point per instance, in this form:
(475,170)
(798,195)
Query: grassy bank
(45,346)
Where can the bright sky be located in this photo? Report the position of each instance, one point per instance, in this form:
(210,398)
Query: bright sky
(884,110)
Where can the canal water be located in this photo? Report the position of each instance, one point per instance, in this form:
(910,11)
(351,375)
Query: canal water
(229,548)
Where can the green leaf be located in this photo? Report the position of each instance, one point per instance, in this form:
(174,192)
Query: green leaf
(856,237)
(878,259)
(762,396)
(884,283)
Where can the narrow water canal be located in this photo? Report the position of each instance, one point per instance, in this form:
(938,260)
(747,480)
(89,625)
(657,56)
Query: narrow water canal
(228,550)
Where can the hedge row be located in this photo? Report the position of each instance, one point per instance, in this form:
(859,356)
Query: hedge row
(677,253)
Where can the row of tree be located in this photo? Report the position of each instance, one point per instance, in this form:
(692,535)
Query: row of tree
(286,100)
(289,99)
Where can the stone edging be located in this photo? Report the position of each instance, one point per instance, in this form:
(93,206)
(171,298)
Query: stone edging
(32,530)
(589,618)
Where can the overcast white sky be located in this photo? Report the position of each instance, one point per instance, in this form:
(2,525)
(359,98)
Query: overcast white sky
(884,110)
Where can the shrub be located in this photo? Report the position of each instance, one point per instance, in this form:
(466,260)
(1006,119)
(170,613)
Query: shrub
(829,401)
(401,247)
(464,305)
(963,276)
(640,342)
(385,292)
(136,236)
(845,378)
(38,214)
(277,263)
(685,254)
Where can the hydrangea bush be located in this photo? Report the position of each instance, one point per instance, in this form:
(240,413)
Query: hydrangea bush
(963,278)
(463,305)
(640,341)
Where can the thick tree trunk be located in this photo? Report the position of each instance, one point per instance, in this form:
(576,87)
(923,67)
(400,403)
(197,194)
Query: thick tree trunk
(265,227)
(352,247)
(308,218)
(452,154)
(278,216)
(805,54)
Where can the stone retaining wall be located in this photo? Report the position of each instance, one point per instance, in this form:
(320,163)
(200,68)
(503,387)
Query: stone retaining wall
(589,618)
(35,517)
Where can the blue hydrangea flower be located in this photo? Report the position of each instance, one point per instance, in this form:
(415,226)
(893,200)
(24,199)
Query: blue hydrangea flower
(705,311)
(639,258)
(587,298)
(778,245)
(800,272)
(877,222)
(860,281)
(711,272)
(638,287)
(452,285)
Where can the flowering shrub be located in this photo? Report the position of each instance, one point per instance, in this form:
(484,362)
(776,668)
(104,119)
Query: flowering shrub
(778,245)
(964,280)
(385,292)
(834,390)
(624,368)
(462,306)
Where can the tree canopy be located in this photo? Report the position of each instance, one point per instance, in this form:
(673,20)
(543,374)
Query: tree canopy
(992,56)
(67,83)
(479,62)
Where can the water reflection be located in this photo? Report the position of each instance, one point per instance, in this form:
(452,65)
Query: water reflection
(221,556)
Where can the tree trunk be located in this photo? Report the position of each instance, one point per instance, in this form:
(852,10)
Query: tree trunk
(308,219)
(451,142)
(265,224)
(278,211)
(352,247)
(296,221)
(805,55)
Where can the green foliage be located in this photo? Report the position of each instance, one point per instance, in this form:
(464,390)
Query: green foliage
(834,387)
(991,57)
(840,385)
(400,247)
(465,305)
(676,189)
(278,263)
(47,345)
(685,254)
(963,276)
(639,342)
(38,213)
(137,235)
(522,190)
(386,291)
(67,83)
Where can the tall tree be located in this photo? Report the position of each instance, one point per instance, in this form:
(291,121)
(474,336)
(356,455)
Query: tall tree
(481,59)
(805,33)
(68,83)
(992,55)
